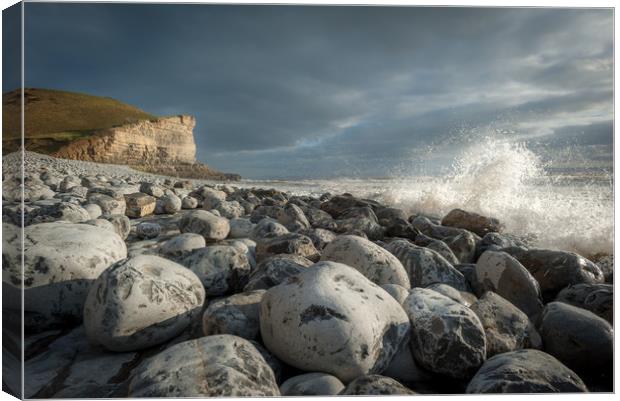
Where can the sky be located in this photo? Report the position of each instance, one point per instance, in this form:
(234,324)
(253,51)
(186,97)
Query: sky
(302,91)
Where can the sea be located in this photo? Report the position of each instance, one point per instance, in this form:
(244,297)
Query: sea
(568,208)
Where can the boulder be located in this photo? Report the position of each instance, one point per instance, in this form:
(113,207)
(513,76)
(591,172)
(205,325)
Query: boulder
(525,371)
(212,366)
(61,260)
(375,385)
(292,217)
(210,226)
(320,237)
(220,268)
(463,246)
(121,224)
(463,297)
(274,270)
(189,202)
(505,276)
(597,298)
(59,211)
(374,262)
(139,205)
(578,338)
(230,209)
(108,204)
(141,302)
(471,222)
(312,384)
(240,228)
(427,227)
(267,228)
(170,203)
(292,243)
(555,270)
(425,266)
(446,337)
(332,319)
(148,230)
(152,189)
(236,315)
(93,210)
(210,197)
(398,292)
(438,246)
(182,244)
(506,327)
(336,205)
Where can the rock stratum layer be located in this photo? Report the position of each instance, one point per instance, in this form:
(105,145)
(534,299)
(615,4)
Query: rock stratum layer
(162,146)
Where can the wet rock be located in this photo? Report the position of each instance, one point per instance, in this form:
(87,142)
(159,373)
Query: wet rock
(446,337)
(210,226)
(463,246)
(61,260)
(189,202)
(471,222)
(147,230)
(274,270)
(374,262)
(578,338)
(425,266)
(438,246)
(139,205)
(597,298)
(320,219)
(504,275)
(370,229)
(336,205)
(291,243)
(427,227)
(236,315)
(463,297)
(182,244)
(332,319)
(292,217)
(220,268)
(507,328)
(555,270)
(387,216)
(212,366)
(525,371)
(141,302)
(240,228)
(121,224)
(493,242)
(375,385)
(268,228)
(312,384)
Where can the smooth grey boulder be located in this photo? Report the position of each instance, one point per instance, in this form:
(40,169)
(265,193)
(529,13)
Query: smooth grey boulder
(471,221)
(189,202)
(121,224)
(427,227)
(212,366)
(577,337)
(555,270)
(312,384)
(169,203)
(332,319)
(61,260)
(148,230)
(102,223)
(152,189)
(463,297)
(425,266)
(275,269)
(210,197)
(292,217)
(230,209)
(236,315)
(446,337)
(268,228)
(506,327)
(438,246)
(182,244)
(292,243)
(93,210)
(597,298)
(368,227)
(320,219)
(210,226)
(220,268)
(140,302)
(463,246)
(404,368)
(375,385)
(374,262)
(108,204)
(398,292)
(60,211)
(525,371)
(504,275)
(320,237)
(240,228)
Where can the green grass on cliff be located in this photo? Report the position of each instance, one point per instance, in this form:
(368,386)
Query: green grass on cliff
(54,118)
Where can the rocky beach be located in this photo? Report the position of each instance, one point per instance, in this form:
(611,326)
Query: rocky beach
(142,285)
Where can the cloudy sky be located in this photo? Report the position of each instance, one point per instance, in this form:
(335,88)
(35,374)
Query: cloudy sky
(281,91)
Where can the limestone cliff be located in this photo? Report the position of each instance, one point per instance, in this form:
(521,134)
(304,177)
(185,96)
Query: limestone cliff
(163,146)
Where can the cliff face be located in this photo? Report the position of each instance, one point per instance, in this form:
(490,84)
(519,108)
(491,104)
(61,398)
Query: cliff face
(148,142)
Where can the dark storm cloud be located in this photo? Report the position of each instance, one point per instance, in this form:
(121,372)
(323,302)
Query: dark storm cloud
(309,91)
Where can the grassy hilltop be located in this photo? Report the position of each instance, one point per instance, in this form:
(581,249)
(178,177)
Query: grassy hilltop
(54,118)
